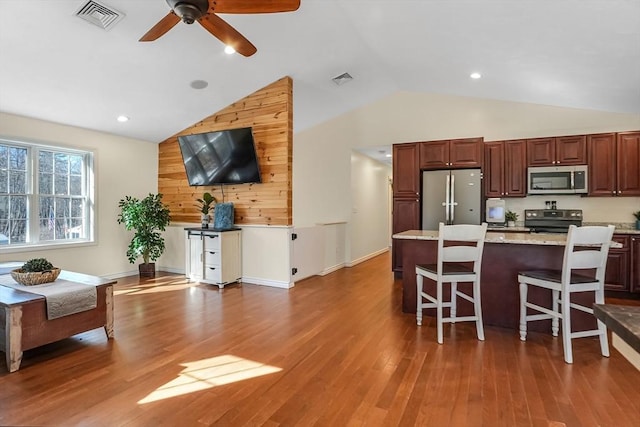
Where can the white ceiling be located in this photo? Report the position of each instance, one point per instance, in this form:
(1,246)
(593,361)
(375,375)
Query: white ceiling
(55,66)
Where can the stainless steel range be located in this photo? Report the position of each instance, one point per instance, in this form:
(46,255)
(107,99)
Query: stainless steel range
(552,220)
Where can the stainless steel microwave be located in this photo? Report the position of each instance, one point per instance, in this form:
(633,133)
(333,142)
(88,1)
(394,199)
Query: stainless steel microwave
(558,180)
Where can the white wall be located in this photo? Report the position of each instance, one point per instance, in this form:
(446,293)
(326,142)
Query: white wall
(322,154)
(369,207)
(123,166)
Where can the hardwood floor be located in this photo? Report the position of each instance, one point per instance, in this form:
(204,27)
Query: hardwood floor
(333,351)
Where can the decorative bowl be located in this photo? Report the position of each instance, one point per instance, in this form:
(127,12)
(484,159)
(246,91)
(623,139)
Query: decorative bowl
(35,278)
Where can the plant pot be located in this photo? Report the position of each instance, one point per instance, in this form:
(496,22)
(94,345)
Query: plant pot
(147,270)
(204,220)
(511,223)
(638,224)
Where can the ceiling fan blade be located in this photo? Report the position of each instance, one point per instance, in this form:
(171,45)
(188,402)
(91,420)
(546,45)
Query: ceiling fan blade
(227,34)
(255,6)
(164,25)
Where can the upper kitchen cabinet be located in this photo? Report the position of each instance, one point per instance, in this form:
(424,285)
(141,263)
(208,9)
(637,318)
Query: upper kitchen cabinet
(561,150)
(614,164)
(505,170)
(451,153)
(628,163)
(406,173)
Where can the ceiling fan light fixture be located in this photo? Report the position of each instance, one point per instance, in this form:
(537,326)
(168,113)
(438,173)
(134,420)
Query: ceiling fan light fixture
(229,50)
(187,12)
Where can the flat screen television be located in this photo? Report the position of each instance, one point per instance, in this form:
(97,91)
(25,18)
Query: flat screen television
(221,157)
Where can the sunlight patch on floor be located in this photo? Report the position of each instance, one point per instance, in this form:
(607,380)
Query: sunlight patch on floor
(155,287)
(208,373)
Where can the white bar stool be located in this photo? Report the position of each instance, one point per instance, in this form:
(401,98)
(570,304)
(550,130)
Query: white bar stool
(587,249)
(465,244)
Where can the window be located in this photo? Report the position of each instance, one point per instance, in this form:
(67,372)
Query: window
(45,195)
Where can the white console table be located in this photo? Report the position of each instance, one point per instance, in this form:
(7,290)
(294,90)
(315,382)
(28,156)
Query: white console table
(213,257)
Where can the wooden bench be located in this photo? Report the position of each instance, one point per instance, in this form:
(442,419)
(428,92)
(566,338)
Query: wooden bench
(24,324)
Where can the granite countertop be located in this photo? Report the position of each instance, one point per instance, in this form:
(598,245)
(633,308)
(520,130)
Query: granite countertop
(551,239)
(621,227)
(623,320)
(493,237)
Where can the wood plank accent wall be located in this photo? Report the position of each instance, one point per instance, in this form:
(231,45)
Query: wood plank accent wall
(270,112)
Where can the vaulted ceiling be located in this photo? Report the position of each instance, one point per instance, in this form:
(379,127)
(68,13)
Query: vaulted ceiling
(57,67)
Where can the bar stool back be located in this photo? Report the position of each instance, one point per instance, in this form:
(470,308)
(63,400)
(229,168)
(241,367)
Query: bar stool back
(583,270)
(464,246)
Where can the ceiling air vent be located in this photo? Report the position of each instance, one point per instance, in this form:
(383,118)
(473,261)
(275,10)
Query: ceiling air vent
(342,79)
(98,14)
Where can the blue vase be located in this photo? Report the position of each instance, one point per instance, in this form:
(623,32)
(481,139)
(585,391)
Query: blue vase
(223,216)
(638,224)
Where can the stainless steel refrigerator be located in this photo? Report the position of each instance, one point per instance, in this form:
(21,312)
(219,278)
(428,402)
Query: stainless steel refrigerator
(451,196)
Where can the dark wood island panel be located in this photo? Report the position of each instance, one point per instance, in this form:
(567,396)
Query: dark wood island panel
(499,283)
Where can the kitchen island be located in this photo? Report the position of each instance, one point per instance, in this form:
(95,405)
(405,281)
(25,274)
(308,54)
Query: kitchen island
(505,254)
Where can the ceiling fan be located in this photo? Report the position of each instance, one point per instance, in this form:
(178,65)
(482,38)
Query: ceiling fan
(204,11)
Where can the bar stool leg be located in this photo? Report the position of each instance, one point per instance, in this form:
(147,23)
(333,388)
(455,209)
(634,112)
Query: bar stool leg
(419,280)
(555,306)
(523,312)
(566,327)
(604,340)
(439,311)
(454,297)
(478,309)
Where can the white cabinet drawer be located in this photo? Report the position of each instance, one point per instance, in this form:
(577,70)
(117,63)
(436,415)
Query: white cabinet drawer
(211,241)
(212,273)
(211,257)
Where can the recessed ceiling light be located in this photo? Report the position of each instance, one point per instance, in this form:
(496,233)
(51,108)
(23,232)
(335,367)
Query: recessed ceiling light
(123,119)
(229,50)
(199,84)
(388,155)
(475,75)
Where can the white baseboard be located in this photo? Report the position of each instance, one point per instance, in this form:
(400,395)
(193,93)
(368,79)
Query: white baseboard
(367,257)
(332,269)
(268,282)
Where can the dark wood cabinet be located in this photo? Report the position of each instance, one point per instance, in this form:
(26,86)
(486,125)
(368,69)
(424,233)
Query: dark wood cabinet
(562,150)
(571,150)
(634,255)
(505,172)
(601,149)
(451,153)
(434,154)
(628,163)
(406,196)
(406,173)
(406,216)
(617,272)
(614,164)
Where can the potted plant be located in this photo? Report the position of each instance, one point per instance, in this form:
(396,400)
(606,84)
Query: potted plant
(637,215)
(204,205)
(511,218)
(36,271)
(147,217)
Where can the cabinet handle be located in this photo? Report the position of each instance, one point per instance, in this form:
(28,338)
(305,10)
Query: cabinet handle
(211,268)
(212,253)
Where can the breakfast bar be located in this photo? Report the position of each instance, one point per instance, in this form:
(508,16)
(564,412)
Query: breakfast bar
(505,254)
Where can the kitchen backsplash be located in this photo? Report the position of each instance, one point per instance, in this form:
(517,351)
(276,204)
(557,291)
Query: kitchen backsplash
(613,210)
